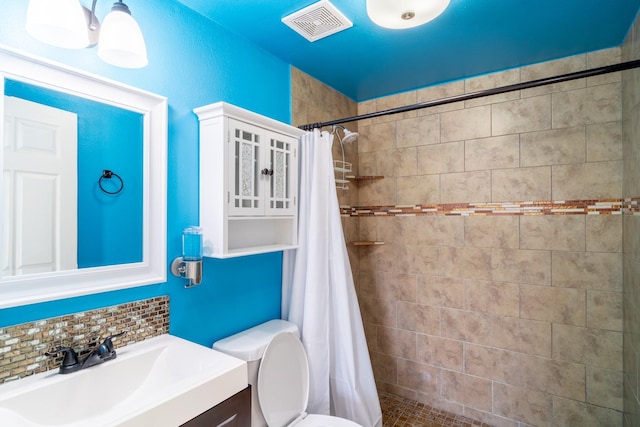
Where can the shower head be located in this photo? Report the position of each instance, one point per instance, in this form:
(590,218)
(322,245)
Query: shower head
(347,136)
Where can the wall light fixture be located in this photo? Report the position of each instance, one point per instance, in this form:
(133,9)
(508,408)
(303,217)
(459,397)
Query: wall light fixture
(189,265)
(68,24)
(401,14)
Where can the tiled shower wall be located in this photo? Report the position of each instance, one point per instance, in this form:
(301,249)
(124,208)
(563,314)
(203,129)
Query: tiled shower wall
(509,319)
(631,227)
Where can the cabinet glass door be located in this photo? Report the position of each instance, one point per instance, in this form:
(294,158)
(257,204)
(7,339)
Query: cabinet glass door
(282,163)
(244,171)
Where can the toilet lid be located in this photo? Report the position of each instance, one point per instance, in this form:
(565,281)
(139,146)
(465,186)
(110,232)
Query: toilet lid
(283,380)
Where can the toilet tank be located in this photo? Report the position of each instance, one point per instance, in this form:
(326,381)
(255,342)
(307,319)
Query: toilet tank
(249,345)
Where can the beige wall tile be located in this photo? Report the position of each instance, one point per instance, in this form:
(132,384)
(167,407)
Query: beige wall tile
(420,189)
(552,147)
(492,363)
(492,297)
(397,342)
(477,124)
(599,104)
(523,184)
(529,406)
(492,153)
(378,312)
(554,68)
(418,259)
(467,390)
(396,286)
(521,115)
(439,230)
(604,388)
(440,352)
(422,130)
(441,158)
(378,192)
(587,270)
(604,233)
(441,291)
(440,92)
(418,376)
(552,376)
(395,101)
(491,81)
(399,229)
(377,258)
(553,232)
(521,266)
(492,231)
(377,137)
(592,347)
(587,181)
(465,187)
(604,310)
(467,326)
(419,318)
(367,229)
(466,263)
(384,367)
(559,305)
(604,142)
(571,413)
(522,335)
(368,163)
(602,58)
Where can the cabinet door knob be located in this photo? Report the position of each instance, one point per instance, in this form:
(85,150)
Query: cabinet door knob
(266,171)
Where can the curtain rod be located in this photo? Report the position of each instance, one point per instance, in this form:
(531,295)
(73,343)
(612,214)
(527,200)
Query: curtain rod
(465,97)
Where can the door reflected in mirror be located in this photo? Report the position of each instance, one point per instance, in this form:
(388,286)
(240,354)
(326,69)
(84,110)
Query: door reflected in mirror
(57,215)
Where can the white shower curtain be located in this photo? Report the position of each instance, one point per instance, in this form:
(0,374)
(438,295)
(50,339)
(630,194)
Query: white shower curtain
(319,296)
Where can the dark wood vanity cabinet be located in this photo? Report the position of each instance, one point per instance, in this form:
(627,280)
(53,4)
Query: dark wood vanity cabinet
(233,412)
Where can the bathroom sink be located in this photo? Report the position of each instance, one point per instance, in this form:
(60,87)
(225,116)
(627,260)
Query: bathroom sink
(163,381)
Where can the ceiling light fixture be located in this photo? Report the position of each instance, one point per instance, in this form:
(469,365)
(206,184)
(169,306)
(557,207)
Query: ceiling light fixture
(68,24)
(401,14)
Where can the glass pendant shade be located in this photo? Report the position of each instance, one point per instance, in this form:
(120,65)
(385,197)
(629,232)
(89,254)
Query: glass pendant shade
(59,23)
(121,42)
(401,14)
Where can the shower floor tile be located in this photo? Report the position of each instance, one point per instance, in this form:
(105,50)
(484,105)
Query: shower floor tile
(402,412)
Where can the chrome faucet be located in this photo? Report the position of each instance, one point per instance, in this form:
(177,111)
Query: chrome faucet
(100,354)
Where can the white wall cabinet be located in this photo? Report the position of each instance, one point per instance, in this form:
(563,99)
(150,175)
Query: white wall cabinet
(248,182)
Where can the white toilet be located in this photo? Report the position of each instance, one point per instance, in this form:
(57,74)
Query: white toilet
(278,374)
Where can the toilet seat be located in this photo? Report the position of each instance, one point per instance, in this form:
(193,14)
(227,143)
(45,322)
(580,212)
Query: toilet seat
(283,386)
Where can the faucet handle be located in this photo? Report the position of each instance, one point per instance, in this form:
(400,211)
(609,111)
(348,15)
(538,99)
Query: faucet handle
(70,356)
(107,345)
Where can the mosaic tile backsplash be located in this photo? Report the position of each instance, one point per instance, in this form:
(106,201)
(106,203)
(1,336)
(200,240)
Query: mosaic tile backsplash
(22,347)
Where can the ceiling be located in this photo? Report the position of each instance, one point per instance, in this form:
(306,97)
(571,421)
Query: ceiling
(471,37)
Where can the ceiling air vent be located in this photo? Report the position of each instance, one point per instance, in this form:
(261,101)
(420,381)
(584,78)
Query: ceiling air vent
(318,20)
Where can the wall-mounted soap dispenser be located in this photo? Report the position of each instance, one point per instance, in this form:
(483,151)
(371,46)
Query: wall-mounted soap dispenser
(189,265)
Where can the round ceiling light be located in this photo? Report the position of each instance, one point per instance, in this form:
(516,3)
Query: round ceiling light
(400,14)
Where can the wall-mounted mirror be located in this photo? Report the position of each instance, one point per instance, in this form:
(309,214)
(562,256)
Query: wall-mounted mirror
(67,229)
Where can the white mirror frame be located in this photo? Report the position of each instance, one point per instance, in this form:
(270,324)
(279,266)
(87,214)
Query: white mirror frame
(33,288)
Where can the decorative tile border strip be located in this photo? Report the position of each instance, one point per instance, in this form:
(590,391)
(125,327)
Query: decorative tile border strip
(22,347)
(629,206)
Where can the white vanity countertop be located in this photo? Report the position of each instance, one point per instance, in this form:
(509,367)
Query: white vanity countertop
(163,381)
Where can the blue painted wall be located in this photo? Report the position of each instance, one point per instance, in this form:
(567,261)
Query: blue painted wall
(193,62)
(108,138)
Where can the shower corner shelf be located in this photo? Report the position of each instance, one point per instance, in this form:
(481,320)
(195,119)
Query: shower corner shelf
(364,177)
(366,243)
